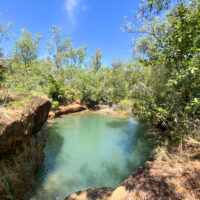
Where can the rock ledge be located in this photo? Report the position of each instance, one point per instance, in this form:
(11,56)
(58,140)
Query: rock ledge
(21,146)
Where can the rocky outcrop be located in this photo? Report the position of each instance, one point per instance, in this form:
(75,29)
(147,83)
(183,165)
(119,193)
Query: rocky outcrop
(154,181)
(62,110)
(162,181)
(21,146)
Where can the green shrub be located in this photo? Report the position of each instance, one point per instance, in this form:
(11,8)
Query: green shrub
(16,103)
(56,89)
(55,104)
(126,104)
(70,94)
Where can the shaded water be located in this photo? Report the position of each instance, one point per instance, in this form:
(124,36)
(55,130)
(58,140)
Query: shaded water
(89,150)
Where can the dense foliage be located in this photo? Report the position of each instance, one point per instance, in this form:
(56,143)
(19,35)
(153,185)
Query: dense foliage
(168,84)
(162,80)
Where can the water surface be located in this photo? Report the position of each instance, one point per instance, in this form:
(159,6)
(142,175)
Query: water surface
(89,150)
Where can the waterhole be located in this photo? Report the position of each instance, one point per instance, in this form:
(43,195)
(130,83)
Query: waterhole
(89,150)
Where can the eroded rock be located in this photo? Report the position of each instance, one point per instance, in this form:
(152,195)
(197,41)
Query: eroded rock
(62,110)
(21,146)
(162,181)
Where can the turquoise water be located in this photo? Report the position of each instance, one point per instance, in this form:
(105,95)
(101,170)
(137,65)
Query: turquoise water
(89,150)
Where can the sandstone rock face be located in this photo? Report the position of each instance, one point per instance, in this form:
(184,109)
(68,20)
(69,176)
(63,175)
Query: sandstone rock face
(21,147)
(62,110)
(162,181)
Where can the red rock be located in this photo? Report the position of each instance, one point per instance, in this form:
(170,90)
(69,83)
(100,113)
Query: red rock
(21,146)
(62,110)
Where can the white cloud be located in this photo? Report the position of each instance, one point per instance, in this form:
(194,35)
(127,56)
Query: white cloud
(73,7)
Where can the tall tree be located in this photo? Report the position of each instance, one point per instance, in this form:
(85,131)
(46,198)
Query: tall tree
(59,47)
(96,60)
(3,34)
(24,74)
(26,49)
(3,37)
(63,53)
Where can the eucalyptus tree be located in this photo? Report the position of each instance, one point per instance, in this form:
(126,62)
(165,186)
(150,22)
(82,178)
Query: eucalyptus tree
(24,74)
(3,34)
(96,60)
(62,51)
(3,37)
(58,47)
(67,62)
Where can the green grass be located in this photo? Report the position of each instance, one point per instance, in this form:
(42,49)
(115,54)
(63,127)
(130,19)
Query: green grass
(15,104)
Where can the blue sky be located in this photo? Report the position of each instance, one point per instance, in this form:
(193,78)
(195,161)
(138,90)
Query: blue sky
(95,23)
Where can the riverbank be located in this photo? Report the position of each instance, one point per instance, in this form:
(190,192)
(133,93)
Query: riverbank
(76,107)
(66,109)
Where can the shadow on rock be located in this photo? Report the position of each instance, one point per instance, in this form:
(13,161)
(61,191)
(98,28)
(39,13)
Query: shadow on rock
(92,194)
(162,181)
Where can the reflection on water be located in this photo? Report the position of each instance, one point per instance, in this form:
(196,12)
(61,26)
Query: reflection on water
(89,150)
